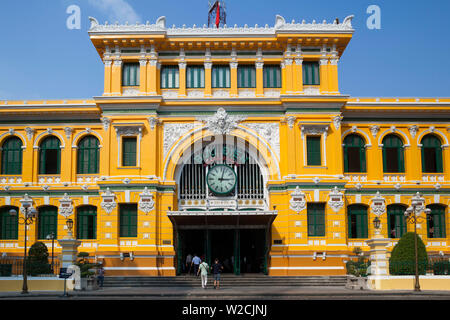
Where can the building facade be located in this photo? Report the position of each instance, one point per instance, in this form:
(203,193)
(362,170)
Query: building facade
(231,142)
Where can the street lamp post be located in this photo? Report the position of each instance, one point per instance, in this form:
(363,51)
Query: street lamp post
(30,214)
(51,236)
(412,215)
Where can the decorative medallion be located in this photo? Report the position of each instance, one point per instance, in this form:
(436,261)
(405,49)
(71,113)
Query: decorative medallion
(146,202)
(109,201)
(298,201)
(65,206)
(336,201)
(378,205)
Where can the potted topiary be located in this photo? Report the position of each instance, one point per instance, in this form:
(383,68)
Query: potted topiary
(357,271)
(87,272)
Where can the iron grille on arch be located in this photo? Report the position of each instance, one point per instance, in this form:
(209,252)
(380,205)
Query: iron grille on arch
(249,180)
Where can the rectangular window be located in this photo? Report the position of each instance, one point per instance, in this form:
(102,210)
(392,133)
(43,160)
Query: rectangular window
(128,220)
(170,77)
(311,74)
(195,77)
(313,154)
(129,152)
(246,76)
(316,219)
(220,77)
(272,76)
(8,225)
(47,222)
(87,222)
(130,74)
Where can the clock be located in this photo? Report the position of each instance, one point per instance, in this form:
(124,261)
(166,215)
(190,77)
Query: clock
(221,179)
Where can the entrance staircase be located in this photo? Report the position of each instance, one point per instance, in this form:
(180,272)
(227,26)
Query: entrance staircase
(227,280)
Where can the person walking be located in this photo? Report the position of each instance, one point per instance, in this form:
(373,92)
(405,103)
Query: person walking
(188,263)
(196,262)
(217,270)
(100,276)
(203,269)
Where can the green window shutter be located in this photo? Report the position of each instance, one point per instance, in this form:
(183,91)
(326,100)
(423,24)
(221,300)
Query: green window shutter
(9,225)
(393,154)
(354,154)
(272,76)
(170,77)
(431,154)
(47,221)
(128,220)
(220,77)
(87,222)
(195,77)
(12,156)
(50,156)
(88,156)
(316,219)
(130,74)
(246,76)
(396,220)
(357,221)
(129,152)
(311,73)
(313,153)
(436,221)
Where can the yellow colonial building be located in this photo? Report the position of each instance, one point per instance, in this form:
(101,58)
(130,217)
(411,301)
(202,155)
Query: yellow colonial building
(230,142)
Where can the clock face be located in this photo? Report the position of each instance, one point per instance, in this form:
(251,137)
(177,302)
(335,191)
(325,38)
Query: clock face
(221,179)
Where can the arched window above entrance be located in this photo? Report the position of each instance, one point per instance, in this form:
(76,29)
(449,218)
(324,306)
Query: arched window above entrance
(221,175)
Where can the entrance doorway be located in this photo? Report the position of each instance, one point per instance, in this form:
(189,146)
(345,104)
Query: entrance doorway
(239,250)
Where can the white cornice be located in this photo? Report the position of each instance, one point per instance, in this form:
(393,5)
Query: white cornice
(280,27)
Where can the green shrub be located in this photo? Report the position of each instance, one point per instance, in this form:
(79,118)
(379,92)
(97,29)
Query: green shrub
(37,260)
(402,261)
(5,270)
(441,267)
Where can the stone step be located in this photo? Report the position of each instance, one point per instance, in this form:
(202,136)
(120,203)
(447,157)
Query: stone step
(226,280)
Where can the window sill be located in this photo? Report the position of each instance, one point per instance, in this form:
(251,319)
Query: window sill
(315,167)
(120,168)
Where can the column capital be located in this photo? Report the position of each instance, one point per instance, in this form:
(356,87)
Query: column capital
(233,64)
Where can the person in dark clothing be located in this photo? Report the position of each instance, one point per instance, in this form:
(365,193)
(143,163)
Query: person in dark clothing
(217,270)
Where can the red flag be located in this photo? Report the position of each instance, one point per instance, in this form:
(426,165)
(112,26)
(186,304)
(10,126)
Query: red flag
(218,15)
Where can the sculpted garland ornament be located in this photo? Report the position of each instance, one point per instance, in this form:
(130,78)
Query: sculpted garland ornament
(221,122)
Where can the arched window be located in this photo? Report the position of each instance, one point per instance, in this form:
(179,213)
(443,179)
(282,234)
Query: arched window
(50,156)
(396,220)
(357,221)
(354,154)
(8,224)
(88,155)
(393,156)
(436,221)
(87,222)
(12,156)
(431,154)
(47,221)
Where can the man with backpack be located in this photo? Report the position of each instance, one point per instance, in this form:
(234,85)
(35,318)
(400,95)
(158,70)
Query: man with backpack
(203,269)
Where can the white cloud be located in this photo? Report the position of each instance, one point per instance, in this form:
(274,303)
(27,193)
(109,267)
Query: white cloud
(117,10)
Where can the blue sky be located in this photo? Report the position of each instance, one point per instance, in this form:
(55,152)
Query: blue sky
(408,57)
